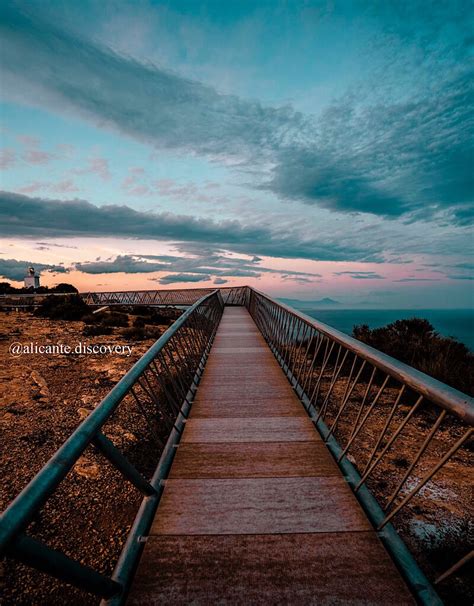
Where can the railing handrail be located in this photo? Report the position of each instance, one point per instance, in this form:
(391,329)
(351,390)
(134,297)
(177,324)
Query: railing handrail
(449,398)
(21,510)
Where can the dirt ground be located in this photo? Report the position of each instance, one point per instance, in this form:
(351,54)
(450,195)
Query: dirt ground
(43,399)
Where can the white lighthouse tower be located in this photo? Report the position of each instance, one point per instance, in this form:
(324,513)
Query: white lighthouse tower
(32,279)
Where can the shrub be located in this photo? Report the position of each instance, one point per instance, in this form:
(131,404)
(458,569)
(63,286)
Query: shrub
(92,318)
(94,330)
(134,334)
(70,307)
(139,322)
(415,342)
(64,287)
(115,318)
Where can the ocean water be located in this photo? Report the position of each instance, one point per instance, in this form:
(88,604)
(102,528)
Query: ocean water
(458,323)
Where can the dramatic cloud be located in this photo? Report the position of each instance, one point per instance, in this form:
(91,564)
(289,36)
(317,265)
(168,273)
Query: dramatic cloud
(13,269)
(36,217)
(389,156)
(123,263)
(207,264)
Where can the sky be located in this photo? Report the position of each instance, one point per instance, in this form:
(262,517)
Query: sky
(307,148)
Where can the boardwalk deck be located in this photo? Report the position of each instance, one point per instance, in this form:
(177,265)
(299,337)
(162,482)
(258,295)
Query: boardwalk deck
(255,511)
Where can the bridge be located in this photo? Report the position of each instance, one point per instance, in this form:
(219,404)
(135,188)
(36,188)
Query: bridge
(278,479)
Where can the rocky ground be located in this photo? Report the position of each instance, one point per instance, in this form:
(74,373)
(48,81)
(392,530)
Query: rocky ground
(43,398)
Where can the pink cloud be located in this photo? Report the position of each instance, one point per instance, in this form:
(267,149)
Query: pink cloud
(33,187)
(97,166)
(36,156)
(29,141)
(7,158)
(63,187)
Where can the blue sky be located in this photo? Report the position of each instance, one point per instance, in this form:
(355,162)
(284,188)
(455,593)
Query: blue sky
(308,148)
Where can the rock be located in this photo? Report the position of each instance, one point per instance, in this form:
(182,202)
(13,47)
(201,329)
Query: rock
(40,386)
(83,413)
(131,437)
(86,468)
(89,400)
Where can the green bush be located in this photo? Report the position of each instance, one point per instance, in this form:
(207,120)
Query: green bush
(415,342)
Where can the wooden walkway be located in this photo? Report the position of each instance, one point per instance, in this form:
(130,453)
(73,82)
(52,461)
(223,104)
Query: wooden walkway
(255,510)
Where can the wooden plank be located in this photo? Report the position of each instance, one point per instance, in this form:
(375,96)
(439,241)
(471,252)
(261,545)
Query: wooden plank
(232,350)
(268,429)
(246,392)
(258,383)
(253,460)
(302,569)
(258,506)
(267,407)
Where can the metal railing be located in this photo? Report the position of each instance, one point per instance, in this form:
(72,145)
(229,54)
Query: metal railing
(164,379)
(365,404)
(183,296)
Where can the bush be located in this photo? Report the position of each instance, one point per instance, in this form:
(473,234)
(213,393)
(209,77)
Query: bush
(70,307)
(97,329)
(64,287)
(92,318)
(134,334)
(139,322)
(415,342)
(115,318)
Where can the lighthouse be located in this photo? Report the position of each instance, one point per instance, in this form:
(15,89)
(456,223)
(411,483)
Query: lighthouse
(32,279)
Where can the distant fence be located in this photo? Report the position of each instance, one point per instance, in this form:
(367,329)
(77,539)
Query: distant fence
(184,296)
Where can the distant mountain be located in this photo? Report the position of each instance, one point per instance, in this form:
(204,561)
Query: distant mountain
(299,304)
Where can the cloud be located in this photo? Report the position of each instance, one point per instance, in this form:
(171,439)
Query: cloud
(219,281)
(55,245)
(38,217)
(413,279)
(460,277)
(62,187)
(360,275)
(7,158)
(207,264)
(465,265)
(37,156)
(175,278)
(13,269)
(390,155)
(122,263)
(95,166)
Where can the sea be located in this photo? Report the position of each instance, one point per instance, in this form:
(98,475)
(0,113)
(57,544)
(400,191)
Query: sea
(457,323)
